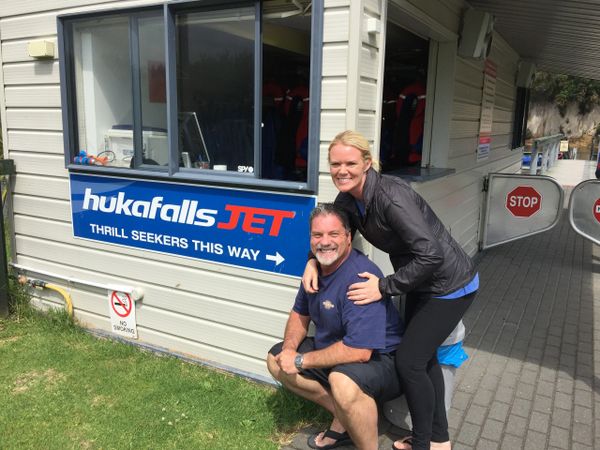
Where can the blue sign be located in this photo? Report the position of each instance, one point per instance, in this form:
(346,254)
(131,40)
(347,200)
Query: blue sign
(257,230)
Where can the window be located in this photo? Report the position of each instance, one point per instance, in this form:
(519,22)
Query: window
(215,87)
(228,100)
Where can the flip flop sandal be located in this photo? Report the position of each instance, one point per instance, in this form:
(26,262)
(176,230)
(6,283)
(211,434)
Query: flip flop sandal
(406,443)
(340,439)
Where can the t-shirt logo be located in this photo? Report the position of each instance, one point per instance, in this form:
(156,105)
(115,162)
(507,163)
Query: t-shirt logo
(328,305)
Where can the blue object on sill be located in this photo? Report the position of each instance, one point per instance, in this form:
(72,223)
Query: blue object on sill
(527,159)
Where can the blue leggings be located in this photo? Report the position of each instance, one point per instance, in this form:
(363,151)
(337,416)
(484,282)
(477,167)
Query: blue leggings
(429,322)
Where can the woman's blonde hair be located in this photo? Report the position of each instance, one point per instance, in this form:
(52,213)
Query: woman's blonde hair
(356,140)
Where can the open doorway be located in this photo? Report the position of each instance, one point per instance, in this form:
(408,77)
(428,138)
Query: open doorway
(404,99)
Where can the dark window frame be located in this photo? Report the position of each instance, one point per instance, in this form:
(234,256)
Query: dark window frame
(520,118)
(174,172)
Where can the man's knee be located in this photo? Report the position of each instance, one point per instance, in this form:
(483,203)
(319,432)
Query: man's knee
(344,390)
(273,367)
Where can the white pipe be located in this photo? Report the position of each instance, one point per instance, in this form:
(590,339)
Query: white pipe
(135,292)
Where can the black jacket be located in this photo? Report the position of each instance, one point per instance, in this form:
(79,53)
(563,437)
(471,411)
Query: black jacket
(399,222)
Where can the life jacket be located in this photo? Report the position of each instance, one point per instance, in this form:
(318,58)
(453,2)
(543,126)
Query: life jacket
(296,109)
(388,121)
(410,113)
(274,95)
(272,119)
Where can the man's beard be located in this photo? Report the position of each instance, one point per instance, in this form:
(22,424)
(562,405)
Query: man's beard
(329,258)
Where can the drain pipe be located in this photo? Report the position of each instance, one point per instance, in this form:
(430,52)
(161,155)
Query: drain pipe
(137,293)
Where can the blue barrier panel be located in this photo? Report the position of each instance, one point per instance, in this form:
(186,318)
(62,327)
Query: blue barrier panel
(257,230)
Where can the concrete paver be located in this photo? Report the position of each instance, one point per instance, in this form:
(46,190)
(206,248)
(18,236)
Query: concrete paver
(532,339)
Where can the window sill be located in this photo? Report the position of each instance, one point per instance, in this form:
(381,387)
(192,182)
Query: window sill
(421,174)
(230,180)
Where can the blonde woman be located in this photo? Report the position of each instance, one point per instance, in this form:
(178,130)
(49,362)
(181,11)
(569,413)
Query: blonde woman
(431,268)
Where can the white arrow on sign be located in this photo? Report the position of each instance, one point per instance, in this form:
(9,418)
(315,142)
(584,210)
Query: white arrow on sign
(276,257)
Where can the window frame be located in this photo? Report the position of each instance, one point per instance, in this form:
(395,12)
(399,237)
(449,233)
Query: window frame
(170,10)
(520,115)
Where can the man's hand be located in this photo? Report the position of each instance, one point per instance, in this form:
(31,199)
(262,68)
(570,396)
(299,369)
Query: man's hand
(285,360)
(365,292)
(310,278)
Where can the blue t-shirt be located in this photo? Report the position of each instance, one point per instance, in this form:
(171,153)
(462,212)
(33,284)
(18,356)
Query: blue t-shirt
(374,326)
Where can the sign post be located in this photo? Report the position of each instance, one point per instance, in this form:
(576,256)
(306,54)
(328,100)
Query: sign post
(7,167)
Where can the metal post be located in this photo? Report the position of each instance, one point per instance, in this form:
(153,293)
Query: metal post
(3,267)
(552,154)
(544,158)
(7,167)
(533,164)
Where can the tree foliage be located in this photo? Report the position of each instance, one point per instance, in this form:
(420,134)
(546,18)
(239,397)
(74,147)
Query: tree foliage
(564,89)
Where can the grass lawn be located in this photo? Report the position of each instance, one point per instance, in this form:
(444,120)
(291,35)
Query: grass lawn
(61,388)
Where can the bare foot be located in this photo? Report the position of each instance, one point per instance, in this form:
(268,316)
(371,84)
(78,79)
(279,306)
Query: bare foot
(328,438)
(322,441)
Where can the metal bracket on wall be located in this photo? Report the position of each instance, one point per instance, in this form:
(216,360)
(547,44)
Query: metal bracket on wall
(7,167)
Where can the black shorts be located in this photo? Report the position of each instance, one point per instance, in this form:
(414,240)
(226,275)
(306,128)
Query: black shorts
(377,378)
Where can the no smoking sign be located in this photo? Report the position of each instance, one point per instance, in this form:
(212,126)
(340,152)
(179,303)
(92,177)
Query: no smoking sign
(122,314)
(121,304)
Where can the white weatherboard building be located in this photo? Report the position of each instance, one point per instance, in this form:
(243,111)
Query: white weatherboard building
(232,105)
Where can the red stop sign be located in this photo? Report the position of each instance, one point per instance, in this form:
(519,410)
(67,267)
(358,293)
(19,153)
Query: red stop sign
(597,210)
(523,201)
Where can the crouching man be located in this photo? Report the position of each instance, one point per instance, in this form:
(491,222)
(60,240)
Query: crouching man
(348,367)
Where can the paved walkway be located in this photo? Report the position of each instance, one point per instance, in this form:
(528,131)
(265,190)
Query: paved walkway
(534,351)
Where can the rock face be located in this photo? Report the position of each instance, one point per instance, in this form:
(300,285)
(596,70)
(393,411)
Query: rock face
(544,119)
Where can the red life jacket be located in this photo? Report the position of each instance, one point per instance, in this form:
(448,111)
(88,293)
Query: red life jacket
(297,103)
(411,107)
